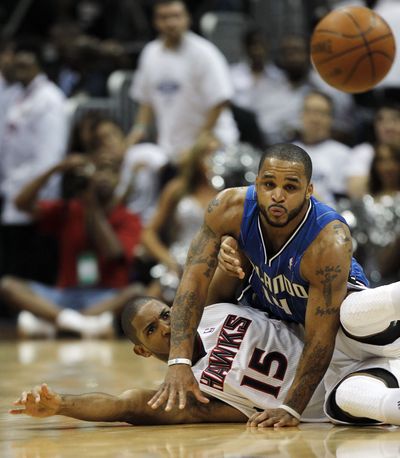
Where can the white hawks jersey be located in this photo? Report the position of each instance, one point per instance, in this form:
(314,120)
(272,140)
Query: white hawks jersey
(250,360)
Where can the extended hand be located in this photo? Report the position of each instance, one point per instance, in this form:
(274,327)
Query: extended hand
(272,417)
(40,402)
(178,381)
(229,259)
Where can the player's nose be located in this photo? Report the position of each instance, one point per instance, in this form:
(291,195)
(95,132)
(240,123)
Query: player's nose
(166,329)
(277,194)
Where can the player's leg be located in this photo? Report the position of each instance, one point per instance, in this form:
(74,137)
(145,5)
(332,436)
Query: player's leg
(369,396)
(30,296)
(372,315)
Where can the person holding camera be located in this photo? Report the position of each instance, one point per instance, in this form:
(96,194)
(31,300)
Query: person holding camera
(96,237)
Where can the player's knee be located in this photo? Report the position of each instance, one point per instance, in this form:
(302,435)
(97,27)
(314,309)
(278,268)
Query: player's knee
(344,394)
(8,284)
(348,312)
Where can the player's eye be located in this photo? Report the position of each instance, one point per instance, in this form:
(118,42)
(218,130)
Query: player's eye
(166,314)
(150,329)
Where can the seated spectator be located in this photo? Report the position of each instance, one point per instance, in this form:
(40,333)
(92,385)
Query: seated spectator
(81,139)
(96,238)
(375,219)
(328,156)
(179,216)
(387,133)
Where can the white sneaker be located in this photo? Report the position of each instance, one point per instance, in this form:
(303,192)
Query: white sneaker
(28,325)
(99,325)
(87,326)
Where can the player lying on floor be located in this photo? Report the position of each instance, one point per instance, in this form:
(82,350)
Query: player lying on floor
(244,361)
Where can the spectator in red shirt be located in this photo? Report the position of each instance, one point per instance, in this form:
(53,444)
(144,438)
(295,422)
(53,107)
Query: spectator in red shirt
(96,236)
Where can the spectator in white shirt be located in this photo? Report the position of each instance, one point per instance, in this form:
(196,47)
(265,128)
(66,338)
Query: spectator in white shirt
(255,80)
(34,138)
(183,81)
(9,88)
(329,157)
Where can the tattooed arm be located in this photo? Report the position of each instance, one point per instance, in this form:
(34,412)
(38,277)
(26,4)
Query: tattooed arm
(326,265)
(223,216)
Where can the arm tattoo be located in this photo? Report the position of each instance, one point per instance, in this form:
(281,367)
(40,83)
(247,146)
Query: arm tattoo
(214,203)
(196,251)
(314,369)
(343,237)
(186,318)
(328,274)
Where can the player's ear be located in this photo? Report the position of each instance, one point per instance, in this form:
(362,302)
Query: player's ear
(142,351)
(310,190)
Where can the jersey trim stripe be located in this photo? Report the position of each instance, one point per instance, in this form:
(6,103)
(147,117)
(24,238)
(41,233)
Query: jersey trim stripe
(290,238)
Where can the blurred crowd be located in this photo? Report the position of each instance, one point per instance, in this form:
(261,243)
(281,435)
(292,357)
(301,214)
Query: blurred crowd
(93,213)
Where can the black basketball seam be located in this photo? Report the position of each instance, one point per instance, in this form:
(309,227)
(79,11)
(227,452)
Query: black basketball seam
(351,73)
(373,72)
(338,34)
(354,48)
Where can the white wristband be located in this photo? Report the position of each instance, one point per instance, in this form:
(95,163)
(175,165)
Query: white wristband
(172,362)
(292,412)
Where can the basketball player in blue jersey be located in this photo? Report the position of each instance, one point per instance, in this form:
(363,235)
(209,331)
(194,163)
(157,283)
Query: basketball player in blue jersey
(300,255)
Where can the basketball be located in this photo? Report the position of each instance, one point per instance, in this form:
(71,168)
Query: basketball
(352,48)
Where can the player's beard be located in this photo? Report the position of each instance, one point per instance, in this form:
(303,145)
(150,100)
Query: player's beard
(290,215)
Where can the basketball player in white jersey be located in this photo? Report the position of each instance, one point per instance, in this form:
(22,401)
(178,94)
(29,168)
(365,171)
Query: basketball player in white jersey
(242,358)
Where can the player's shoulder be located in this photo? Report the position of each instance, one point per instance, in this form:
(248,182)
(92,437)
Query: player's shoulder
(225,211)
(337,146)
(151,49)
(231,197)
(334,239)
(203,46)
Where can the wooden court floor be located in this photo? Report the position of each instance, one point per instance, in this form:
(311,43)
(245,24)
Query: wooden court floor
(74,366)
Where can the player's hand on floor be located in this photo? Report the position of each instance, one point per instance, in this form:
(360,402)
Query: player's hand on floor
(178,381)
(272,418)
(41,402)
(229,258)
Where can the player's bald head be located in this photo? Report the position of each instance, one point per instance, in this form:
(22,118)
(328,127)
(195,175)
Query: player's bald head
(129,312)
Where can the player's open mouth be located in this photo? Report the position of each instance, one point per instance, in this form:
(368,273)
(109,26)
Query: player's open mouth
(277,211)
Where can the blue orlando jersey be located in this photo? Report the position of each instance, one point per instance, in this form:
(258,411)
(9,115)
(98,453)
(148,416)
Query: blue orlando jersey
(275,284)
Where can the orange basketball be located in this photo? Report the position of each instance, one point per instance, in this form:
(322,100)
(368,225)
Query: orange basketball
(352,48)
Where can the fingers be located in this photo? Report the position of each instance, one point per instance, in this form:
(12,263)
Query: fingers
(34,396)
(46,392)
(229,242)
(17,411)
(159,398)
(271,419)
(199,395)
(35,393)
(171,400)
(230,265)
(291,421)
(258,418)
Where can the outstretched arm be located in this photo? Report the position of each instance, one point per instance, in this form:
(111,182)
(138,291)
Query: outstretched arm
(223,216)
(131,407)
(326,266)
